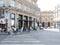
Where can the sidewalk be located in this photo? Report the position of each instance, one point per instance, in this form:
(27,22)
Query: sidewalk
(52,29)
(18,33)
(3,33)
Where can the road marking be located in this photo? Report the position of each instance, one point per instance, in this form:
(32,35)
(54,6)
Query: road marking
(10,41)
(21,44)
(22,41)
(33,41)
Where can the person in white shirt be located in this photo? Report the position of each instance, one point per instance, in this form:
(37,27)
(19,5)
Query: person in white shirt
(21,29)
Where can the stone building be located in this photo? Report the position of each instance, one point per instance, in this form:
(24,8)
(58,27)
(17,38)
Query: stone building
(18,13)
(47,18)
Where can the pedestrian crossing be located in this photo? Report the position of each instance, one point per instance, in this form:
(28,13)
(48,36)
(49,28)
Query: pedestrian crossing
(20,40)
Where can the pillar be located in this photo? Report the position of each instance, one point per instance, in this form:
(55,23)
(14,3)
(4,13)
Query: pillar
(23,21)
(28,21)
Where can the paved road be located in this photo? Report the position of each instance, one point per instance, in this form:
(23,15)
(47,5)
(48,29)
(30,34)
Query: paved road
(32,38)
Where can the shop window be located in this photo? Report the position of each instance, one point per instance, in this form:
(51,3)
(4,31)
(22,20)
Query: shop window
(12,3)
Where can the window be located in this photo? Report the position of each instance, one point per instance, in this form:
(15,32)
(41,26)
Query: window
(12,3)
(12,16)
(18,5)
(28,9)
(51,18)
(24,8)
(30,0)
(33,3)
(33,10)
(1,2)
(46,19)
(24,18)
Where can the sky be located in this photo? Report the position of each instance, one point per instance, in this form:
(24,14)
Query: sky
(46,5)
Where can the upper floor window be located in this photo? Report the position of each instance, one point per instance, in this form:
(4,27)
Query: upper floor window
(29,0)
(24,8)
(1,2)
(12,3)
(19,6)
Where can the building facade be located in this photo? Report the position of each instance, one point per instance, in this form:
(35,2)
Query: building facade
(57,16)
(17,13)
(47,19)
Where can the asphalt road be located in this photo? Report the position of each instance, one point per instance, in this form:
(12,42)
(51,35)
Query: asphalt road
(32,38)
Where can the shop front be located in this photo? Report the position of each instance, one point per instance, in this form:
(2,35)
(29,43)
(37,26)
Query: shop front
(20,21)
(30,21)
(25,22)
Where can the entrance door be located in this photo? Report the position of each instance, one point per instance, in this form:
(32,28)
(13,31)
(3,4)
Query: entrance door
(48,24)
(30,23)
(25,21)
(43,24)
(26,24)
(20,24)
(20,21)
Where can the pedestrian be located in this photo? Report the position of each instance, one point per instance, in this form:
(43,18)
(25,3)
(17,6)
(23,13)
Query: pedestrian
(8,30)
(15,30)
(30,28)
(21,29)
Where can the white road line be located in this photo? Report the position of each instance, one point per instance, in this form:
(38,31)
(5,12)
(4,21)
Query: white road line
(21,44)
(10,41)
(22,41)
(33,41)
